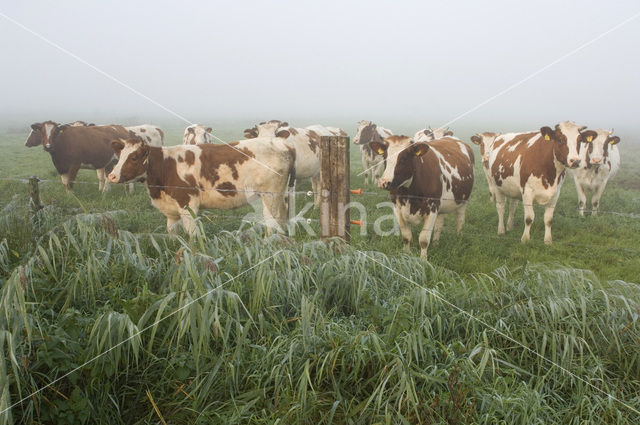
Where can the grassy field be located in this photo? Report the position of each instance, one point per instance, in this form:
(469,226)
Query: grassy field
(310,332)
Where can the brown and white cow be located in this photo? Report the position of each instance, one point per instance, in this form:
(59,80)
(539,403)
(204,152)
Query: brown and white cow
(307,145)
(427,134)
(75,147)
(531,166)
(196,134)
(150,134)
(426,181)
(599,161)
(485,141)
(183,179)
(371,163)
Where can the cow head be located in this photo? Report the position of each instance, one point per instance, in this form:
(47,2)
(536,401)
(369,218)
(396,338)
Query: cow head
(392,150)
(35,136)
(367,134)
(566,138)
(132,155)
(484,140)
(196,134)
(595,144)
(265,129)
(363,126)
(46,131)
(437,133)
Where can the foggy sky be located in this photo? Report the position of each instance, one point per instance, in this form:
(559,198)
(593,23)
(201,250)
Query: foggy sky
(411,60)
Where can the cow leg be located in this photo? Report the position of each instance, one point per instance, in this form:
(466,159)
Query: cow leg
(315,187)
(548,216)
(595,198)
(103,184)
(273,210)
(492,196)
(379,170)
(188,221)
(365,165)
(405,229)
(172,221)
(438,229)
(460,215)
(425,233)
(582,197)
(70,177)
(513,203)
(529,215)
(100,174)
(500,202)
(132,187)
(548,219)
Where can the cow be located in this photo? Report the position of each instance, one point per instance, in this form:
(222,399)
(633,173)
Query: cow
(197,134)
(599,161)
(183,179)
(531,166)
(307,145)
(80,124)
(485,141)
(427,134)
(426,181)
(74,147)
(150,134)
(367,133)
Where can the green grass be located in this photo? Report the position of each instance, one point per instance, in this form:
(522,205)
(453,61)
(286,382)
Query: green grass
(314,332)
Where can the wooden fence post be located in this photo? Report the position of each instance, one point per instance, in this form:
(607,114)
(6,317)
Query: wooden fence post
(34,194)
(334,187)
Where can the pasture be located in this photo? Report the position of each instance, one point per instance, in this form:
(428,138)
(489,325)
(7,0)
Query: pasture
(312,332)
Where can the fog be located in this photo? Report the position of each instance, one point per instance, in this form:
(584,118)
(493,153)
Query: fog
(408,61)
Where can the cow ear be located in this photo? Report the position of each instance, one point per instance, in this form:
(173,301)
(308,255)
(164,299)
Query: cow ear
(284,124)
(418,149)
(588,136)
(117,146)
(547,133)
(36,126)
(613,140)
(191,130)
(209,130)
(448,133)
(379,148)
(475,139)
(250,133)
(283,134)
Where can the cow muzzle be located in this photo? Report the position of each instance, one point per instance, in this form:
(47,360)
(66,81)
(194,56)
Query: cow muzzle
(113,178)
(384,184)
(596,161)
(573,163)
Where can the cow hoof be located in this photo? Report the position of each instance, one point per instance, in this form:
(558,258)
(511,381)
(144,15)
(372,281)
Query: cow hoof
(524,239)
(547,241)
(501,231)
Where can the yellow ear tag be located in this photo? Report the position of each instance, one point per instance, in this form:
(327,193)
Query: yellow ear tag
(612,142)
(546,137)
(419,153)
(589,138)
(380,151)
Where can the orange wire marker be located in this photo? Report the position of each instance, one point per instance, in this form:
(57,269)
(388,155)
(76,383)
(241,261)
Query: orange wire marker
(356,191)
(358,222)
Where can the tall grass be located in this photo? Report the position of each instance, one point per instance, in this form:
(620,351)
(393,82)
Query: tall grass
(317,333)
